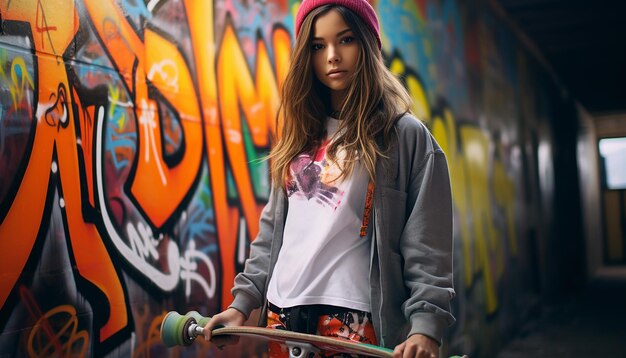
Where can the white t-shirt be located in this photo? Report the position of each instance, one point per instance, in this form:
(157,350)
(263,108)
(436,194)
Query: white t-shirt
(323,259)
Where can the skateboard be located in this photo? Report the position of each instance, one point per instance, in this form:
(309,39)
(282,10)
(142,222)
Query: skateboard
(179,330)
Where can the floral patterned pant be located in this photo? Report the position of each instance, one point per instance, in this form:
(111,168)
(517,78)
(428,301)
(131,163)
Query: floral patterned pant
(351,325)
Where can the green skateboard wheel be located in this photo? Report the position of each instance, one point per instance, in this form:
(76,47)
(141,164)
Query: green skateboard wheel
(175,329)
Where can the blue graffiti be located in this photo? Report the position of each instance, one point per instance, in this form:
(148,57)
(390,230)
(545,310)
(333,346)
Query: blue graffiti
(200,218)
(89,73)
(254,16)
(451,68)
(410,34)
(116,138)
(136,9)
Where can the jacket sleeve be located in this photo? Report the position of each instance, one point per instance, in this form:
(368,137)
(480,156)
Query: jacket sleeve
(249,287)
(426,241)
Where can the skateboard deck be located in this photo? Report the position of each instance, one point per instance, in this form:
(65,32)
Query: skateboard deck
(177,329)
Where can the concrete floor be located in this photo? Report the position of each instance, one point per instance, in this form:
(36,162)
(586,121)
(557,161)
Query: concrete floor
(587,324)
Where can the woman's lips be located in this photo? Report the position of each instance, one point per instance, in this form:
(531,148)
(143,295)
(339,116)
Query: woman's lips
(337,74)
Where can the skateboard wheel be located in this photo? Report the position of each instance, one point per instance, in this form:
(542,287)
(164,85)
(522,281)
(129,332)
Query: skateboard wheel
(175,330)
(187,337)
(200,319)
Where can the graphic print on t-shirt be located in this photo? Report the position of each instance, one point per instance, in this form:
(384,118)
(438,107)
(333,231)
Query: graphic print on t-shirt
(314,178)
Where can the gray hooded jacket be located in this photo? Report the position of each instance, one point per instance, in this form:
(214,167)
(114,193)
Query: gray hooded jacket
(411,231)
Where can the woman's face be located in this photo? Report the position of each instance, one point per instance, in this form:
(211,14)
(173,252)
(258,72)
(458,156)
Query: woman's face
(334,53)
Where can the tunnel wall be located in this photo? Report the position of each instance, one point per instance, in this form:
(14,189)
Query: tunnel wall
(130,185)
(608,226)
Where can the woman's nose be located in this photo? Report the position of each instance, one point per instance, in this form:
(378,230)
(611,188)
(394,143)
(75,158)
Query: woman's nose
(333,55)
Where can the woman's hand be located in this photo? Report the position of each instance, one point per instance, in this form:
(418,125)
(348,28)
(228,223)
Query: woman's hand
(229,317)
(418,346)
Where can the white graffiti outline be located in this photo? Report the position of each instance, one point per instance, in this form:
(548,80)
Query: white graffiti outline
(160,69)
(142,241)
(148,114)
(152,4)
(189,273)
(166,282)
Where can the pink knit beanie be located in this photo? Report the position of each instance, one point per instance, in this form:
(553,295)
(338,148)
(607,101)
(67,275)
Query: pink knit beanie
(360,7)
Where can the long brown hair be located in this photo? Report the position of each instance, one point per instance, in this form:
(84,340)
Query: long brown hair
(374,99)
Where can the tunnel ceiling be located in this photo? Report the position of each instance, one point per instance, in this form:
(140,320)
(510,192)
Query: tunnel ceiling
(584,41)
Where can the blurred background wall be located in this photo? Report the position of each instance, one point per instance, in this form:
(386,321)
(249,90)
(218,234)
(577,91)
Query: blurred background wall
(130,185)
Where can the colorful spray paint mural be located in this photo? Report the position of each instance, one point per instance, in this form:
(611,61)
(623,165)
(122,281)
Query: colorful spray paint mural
(130,139)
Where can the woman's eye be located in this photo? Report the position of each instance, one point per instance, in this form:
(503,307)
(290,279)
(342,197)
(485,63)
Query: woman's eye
(316,47)
(347,39)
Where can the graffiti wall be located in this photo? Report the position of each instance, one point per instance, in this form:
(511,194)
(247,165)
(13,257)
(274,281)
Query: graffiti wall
(131,134)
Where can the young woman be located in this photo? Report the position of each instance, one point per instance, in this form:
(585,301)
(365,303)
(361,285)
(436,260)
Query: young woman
(356,239)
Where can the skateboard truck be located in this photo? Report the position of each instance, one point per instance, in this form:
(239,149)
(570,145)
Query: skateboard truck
(302,350)
(194,331)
